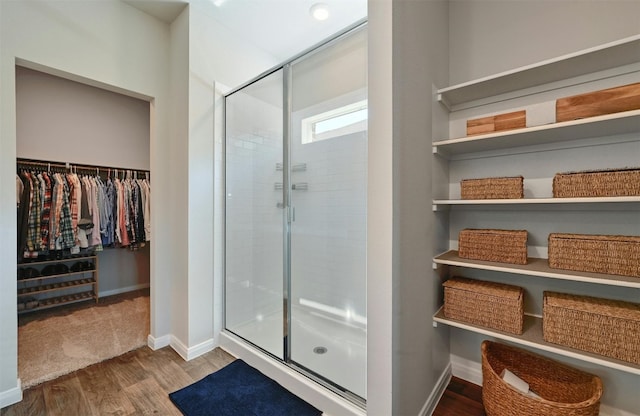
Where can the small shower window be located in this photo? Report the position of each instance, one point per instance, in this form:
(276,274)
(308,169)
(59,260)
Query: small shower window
(341,121)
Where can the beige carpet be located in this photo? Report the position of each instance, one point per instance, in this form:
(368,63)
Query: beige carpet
(59,342)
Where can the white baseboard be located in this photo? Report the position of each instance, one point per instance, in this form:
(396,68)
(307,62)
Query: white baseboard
(465,369)
(160,342)
(11,396)
(439,389)
(123,290)
(471,371)
(189,353)
(303,387)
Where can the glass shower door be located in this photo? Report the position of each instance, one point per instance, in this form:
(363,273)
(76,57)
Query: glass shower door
(254,214)
(328,176)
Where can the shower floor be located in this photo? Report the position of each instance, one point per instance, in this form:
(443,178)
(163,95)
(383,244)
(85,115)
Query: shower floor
(327,346)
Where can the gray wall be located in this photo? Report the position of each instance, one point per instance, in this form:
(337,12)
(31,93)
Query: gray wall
(419,60)
(66,121)
(492,36)
(406,356)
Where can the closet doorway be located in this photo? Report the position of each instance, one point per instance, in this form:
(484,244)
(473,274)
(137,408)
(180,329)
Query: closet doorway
(68,127)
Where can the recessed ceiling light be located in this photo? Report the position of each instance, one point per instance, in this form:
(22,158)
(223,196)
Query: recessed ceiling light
(319,11)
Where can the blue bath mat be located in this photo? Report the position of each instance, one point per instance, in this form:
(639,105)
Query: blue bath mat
(239,390)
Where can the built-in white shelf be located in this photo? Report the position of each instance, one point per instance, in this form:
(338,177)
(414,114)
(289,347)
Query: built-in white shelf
(600,58)
(620,58)
(532,337)
(537,267)
(599,126)
(541,201)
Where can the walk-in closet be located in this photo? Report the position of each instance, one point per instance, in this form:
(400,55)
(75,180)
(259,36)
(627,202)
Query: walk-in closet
(83,199)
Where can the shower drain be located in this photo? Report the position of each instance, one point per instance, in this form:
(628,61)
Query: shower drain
(320,350)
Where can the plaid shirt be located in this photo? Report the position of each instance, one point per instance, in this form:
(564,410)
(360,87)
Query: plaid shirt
(61,221)
(33,230)
(72,181)
(66,227)
(54,219)
(46,211)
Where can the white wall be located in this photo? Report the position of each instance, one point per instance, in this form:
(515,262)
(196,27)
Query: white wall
(216,57)
(197,43)
(179,166)
(107,44)
(380,285)
(112,45)
(407,54)
(525,32)
(213,55)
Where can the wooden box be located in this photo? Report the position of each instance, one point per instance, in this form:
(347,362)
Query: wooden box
(492,188)
(498,122)
(487,304)
(602,326)
(504,246)
(610,254)
(597,183)
(597,103)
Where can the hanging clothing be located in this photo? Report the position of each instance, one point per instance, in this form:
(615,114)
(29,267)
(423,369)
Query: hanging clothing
(23,215)
(106,213)
(33,226)
(19,190)
(46,212)
(67,211)
(63,230)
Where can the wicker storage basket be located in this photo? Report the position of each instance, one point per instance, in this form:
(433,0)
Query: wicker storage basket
(602,326)
(597,183)
(564,391)
(488,304)
(505,246)
(492,188)
(611,254)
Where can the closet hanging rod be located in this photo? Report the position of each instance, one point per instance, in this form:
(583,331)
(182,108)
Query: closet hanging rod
(22,162)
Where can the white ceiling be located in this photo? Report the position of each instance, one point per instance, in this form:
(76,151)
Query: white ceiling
(282,28)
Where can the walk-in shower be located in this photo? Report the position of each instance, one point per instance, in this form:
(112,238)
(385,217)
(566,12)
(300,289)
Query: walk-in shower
(295,213)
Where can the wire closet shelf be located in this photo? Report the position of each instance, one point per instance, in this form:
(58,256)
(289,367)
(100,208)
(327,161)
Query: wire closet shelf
(69,167)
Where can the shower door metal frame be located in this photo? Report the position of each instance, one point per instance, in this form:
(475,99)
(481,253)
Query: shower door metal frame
(289,213)
(286,199)
(224,209)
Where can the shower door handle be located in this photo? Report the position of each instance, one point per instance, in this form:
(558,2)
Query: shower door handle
(291,214)
(292,211)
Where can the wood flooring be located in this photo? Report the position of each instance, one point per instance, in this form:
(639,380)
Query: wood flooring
(460,399)
(138,383)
